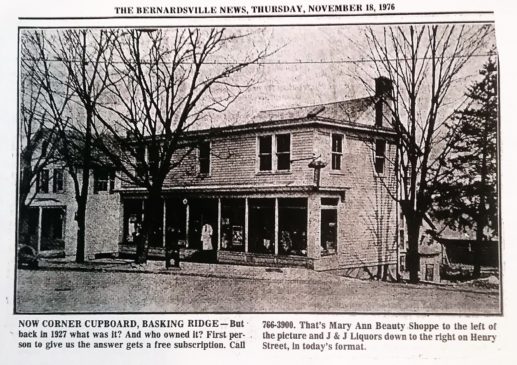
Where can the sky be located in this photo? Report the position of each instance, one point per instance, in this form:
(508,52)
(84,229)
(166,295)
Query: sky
(308,65)
(307,69)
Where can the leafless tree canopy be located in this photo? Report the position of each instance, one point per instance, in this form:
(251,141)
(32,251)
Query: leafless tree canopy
(132,95)
(426,63)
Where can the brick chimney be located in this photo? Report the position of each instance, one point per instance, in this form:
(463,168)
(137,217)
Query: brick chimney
(383,86)
(383,91)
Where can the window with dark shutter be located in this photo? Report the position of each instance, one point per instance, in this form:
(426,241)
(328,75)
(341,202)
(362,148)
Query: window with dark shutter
(283,152)
(265,153)
(204,158)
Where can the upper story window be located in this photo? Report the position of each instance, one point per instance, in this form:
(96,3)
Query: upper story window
(265,153)
(283,152)
(337,151)
(380,156)
(58,185)
(42,181)
(204,158)
(280,150)
(103,180)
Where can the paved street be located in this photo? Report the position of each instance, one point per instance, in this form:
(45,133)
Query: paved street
(43,291)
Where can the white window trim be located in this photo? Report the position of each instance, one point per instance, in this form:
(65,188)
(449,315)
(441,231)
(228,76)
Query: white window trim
(342,151)
(274,154)
(383,173)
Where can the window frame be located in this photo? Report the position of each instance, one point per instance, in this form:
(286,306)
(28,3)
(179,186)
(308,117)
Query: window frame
(261,154)
(55,180)
(274,154)
(39,183)
(377,158)
(338,154)
(109,181)
(203,158)
(283,153)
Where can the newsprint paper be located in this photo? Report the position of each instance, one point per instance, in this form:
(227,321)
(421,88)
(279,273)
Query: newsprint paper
(257,182)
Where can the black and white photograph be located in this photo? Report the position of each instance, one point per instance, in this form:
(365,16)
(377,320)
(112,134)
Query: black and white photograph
(310,168)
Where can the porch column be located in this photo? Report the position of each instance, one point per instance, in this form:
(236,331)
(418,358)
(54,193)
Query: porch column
(313,227)
(276,226)
(246,224)
(218,224)
(187,220)
(40,217)
(164,227)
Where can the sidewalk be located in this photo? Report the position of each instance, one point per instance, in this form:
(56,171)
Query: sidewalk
(192,269)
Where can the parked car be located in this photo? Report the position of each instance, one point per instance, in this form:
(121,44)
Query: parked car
(27,257)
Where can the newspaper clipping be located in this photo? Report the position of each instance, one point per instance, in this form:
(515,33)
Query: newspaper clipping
(243,182)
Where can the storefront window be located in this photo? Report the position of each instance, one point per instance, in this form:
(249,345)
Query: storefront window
(175,221)
(329,226)
(232,224)
(292,222)
(262,226)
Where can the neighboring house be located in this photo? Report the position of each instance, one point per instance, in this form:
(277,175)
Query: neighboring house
(459,247)
(304,186)
(50,227)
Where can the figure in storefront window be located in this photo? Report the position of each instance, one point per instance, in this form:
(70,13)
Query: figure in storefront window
(267,243)
(286,243)
(225,240)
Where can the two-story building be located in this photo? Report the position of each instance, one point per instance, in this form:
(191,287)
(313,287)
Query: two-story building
(300,186)
(303,186)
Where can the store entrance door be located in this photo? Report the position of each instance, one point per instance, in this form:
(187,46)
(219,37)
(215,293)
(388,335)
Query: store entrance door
(202,235)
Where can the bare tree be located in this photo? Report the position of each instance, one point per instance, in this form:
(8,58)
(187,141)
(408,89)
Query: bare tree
(69,68)
(425,64)
(163,84)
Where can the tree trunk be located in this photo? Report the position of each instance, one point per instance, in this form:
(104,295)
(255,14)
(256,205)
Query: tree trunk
(23,194)
(81,229)
(82,198)
(151,224)
(413,258)
(482,211)
(476,252)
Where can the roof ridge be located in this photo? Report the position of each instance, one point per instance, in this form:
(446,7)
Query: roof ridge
(315,105)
